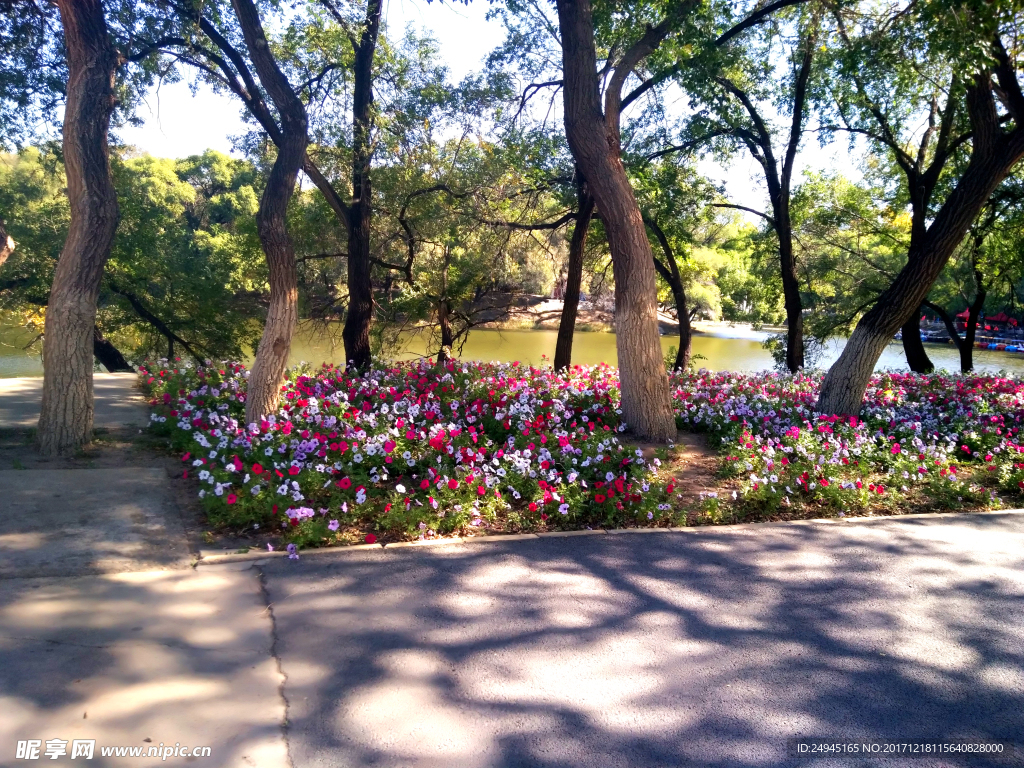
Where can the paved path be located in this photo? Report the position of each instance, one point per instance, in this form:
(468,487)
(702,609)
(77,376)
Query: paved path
(136,659)
(704,648)
(118,403)
(64,522)
(106,632)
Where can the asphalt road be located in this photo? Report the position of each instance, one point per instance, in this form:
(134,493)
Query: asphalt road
(707,648)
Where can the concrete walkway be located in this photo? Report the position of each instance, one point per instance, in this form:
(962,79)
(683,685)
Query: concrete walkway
(137,659)
(63,522)
(107,633)
(704,648)
(118,403)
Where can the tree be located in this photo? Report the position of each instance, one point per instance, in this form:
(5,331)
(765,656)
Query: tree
(66,415)
(991,84)
(880,94)
(737,84)
(574,274)
(267,372)
(593,136)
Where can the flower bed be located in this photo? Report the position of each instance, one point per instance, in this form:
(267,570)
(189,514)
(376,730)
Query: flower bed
(417,450)
(411,450)
(940,441)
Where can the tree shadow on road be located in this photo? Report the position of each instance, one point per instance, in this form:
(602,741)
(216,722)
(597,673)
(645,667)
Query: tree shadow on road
(710,648)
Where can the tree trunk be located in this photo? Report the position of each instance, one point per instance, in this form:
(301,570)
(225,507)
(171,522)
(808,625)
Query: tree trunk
(574,278)
(6,243)
(917,357)
(110,357)
(65,420)
(790,288)
(356,333)
(994,155)
(646,402)
(970,331)
(272,222)
(444,321)
(669,272)
(685,348)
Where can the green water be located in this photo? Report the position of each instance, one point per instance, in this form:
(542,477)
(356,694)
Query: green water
(737,349)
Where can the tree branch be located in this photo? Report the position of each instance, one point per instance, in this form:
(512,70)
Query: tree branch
(755,18)
(763,215)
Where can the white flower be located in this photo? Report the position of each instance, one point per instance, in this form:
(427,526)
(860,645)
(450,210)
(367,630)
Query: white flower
(400,488)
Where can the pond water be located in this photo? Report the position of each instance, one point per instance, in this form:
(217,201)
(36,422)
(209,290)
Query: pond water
(725,348)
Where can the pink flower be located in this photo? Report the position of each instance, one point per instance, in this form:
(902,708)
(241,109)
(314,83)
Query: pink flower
(371,539)
(389,446)
(231,498)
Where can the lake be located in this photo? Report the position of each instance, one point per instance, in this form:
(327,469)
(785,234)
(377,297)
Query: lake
(736,348)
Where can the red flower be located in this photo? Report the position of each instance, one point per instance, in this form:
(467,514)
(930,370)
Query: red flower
(453,484)
(257,469)
(293,470)
(344,483)
(599,498)
(481,490)
(231,498)
(371,539)
(533,507)
(424,484)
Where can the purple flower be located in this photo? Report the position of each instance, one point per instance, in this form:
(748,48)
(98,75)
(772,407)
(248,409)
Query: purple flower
(293,553)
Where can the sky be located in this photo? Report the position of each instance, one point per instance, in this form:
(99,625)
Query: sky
(178,123)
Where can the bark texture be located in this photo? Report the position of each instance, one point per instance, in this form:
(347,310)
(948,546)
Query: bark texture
(267,372)
(593,137)
(994,153)
(66,416)
(573,278)
(356,333)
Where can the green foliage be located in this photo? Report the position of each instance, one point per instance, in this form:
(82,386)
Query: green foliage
(185,267)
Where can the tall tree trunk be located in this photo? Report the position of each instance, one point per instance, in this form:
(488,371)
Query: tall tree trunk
(646,401)
(970,331)
(917,358)
(272,222)
(790,287)
(444,321)
(66,417)
(669,272)
(6,243)
(574,277)
(356,333)
(994,155)
(109,355)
